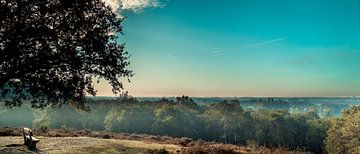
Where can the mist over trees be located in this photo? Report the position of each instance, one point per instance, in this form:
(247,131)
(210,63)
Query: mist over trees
(50,51)
(225,121)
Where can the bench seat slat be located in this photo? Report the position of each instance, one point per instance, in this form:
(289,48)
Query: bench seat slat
(34,139)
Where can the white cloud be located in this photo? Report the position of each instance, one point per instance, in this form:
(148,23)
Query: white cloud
(134,5)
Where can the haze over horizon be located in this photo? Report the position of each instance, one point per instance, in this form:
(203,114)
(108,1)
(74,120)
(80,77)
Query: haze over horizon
(243,48)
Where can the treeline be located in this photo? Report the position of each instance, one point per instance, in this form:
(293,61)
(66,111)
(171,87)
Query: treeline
(225,122)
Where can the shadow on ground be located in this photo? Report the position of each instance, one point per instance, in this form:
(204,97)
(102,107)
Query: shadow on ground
(16,149)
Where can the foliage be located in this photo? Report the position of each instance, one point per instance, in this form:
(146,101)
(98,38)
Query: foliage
(272,129)
(177,120)
(344,133)
(316,134)
(132,119)
(65,128)
(51,50)
(228,122)
(7,132)
(44,129)
(157,151)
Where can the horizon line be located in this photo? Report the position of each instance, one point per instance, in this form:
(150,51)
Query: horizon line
(235,96)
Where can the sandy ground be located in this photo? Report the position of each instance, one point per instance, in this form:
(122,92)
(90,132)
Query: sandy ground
(78,145)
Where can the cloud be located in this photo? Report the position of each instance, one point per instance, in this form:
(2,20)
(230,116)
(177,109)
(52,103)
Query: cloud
(133,5)
(307,59)
(216,51)
(347,54)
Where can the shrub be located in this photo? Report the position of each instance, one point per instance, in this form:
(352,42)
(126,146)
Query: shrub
(157,151)
(252,144)
(185,140)
(209,150)
(106,136)
(65,128)
(44,129)
(7,132)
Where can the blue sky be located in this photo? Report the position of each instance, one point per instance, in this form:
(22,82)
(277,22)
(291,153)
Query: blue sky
(244,48)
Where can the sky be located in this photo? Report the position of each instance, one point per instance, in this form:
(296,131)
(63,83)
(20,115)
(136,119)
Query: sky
(298,48)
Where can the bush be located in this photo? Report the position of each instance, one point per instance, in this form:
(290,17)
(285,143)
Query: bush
(209,150)
(157,151)
(44,129)
(252,144)
(106,136)
(7,132)
(65,128)
(185,140)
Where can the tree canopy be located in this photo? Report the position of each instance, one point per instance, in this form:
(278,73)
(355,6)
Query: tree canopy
(51,50)
(344,133)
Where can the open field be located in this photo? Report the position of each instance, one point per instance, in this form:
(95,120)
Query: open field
(80,145)
(84,141)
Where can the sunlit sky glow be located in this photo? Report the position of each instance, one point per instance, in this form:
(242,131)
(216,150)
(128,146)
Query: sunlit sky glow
(244,48)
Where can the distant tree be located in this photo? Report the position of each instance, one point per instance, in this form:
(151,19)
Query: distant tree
(184,99)
(188,101)
(177,121)
(317,134)
(130,119)
(126,97)
(51,50)
(227,122)
(229,105)
(271,128)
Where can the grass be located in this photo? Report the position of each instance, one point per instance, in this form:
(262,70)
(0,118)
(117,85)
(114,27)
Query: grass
(80,145)
(86,141)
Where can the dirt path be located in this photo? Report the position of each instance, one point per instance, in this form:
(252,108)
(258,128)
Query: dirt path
(78,145)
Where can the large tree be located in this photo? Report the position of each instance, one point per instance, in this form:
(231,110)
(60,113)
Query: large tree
(51,50)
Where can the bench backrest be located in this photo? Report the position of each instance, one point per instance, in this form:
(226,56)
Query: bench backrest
(27,131)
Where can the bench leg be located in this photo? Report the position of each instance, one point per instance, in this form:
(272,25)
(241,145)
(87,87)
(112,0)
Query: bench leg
(26,142)
(32,145)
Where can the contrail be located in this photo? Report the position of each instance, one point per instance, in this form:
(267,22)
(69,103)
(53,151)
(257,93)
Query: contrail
(266,42)
(219,50)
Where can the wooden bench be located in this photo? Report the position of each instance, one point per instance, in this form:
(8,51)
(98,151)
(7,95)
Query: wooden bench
(29,140)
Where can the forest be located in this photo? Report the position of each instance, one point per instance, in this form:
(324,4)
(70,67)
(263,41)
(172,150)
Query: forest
(225,121)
